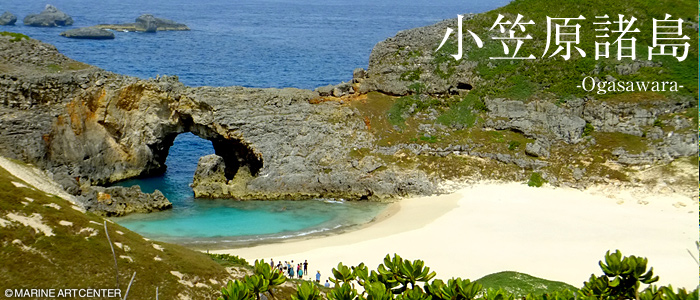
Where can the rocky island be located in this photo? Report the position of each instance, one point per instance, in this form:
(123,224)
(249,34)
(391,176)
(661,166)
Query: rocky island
(49,17)
(147,23)
(7,18)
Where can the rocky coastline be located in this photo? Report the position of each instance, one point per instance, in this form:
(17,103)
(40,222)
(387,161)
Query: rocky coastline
(90,128)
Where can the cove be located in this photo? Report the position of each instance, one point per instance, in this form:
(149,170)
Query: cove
(215,223)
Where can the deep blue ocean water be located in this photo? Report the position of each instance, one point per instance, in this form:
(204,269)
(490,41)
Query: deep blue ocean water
(253,43)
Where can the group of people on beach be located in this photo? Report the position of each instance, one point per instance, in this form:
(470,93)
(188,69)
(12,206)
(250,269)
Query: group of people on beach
(288,268)
(300,270)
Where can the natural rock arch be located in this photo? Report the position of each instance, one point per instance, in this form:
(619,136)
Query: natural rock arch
(238,155)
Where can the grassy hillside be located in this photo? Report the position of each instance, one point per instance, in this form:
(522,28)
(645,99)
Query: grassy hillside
(520,284)
(67,248)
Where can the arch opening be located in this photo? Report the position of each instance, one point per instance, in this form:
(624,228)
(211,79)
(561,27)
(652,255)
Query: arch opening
(236,153)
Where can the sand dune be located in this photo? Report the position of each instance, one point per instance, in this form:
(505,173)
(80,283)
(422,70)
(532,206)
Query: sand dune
(554,233)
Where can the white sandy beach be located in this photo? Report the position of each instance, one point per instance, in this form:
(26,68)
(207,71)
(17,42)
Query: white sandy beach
(553,233)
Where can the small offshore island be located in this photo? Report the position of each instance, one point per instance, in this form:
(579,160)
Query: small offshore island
(416,123)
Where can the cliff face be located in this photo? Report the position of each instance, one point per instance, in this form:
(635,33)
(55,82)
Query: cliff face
(530,113)
(96,128)
(452,121)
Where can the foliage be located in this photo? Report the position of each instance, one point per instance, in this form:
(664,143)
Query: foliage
(463,113)
(417,88)
(408,105)
(397,278)
(536,180)
(444,62)
(307,291)
(430,139)
(588,129)
(16,37)
(264,279)
(236,290)
(520,284)
(229,260)
(411,75)
(519,88)
(512,145)
(621,280)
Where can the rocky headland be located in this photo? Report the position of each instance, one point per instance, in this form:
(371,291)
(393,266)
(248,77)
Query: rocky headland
(413,121)
(147,23)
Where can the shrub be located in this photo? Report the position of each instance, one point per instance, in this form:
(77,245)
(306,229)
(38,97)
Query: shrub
(588,129)
(512,145)
(411,75)
(463,113)
(228,260)
(397,278)
(536,180)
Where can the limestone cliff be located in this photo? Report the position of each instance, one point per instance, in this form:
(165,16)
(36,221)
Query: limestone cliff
(412,121)
(91,127)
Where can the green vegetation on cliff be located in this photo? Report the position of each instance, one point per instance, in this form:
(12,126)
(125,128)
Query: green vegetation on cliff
(16,37)
(555,77)
(523,116)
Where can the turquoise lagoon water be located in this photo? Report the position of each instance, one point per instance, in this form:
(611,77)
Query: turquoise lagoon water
(203,222)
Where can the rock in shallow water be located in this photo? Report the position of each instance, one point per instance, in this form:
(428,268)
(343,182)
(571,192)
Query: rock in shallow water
(8,19)
(92,32)
(118,201)
(147,23)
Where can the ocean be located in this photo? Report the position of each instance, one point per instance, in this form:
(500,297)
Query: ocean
(303,44)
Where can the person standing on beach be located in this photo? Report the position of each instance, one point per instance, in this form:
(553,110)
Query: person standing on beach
(300,272)
(327,284)
(306,266)
(272,263)
(318,276)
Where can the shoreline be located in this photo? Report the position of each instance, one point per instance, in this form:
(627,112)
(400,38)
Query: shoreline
(554,233)
(390,211)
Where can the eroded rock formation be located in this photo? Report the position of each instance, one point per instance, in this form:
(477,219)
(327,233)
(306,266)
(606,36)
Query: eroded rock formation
(49,17)
(90,128)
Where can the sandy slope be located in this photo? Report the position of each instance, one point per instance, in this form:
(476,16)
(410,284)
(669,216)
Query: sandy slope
(37,178)
(558,234)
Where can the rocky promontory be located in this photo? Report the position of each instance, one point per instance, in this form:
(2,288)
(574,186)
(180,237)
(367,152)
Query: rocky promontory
(92,32)
(147,23)
(49,17)
(413,121)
